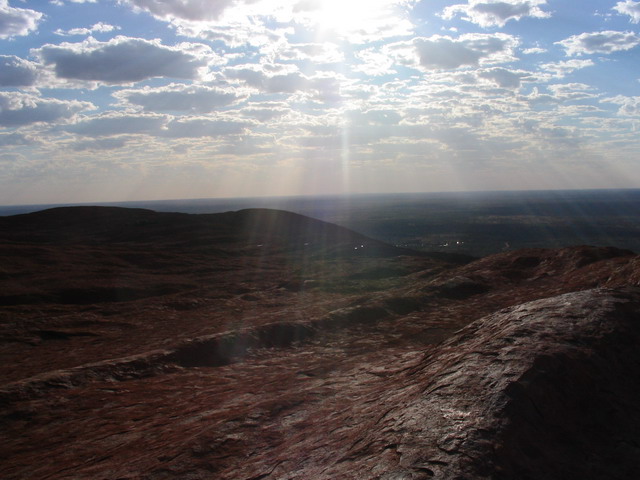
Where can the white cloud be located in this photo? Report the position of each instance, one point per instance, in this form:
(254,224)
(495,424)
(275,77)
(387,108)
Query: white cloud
(180,98)
(17,21)
(99,27)
(317,53)
(444,53)
(373,62)
(503,78)
(600,42)
(125,60)
(560,93)
(203,127)
(496,13)
(284,79)
(251,21)
(111,143)
(571,91)
(17,72)
(234,34)
(533,50)
(9,139)
(18,109)
(629,106)
(286,83)
(356,21)
(110,124)
(114,124)
(560,69)
(194,10)
(537,98)
(629,7)
(265,111)
(61,2)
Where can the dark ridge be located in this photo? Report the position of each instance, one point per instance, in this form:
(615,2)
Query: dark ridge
(209,351)
(459,288)
(544,390)
(91,294)
(403,305)
(256,229)
(223,350)
(60,335)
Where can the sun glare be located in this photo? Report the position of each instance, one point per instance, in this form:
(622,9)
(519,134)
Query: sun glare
(354,17)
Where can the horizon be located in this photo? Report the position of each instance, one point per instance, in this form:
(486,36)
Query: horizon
(129,100)
(191,205)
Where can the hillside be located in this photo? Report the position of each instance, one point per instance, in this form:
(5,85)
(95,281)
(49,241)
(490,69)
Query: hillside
(245,230)
(264,344)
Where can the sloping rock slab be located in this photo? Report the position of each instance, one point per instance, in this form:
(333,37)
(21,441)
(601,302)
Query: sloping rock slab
(545,390)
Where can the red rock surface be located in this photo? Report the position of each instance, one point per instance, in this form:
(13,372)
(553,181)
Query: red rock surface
(201,357)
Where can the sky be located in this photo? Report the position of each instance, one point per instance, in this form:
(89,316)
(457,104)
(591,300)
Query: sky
(117,100)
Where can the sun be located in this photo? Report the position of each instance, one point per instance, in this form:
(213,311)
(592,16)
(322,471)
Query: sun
(353,18)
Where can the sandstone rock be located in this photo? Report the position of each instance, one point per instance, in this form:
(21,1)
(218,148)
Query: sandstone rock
(544,390)
(138,345)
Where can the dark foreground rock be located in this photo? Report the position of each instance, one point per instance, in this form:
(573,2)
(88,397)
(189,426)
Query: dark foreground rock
(545,390)
(263,345)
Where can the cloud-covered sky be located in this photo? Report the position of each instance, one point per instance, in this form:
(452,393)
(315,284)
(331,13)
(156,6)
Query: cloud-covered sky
(108,100)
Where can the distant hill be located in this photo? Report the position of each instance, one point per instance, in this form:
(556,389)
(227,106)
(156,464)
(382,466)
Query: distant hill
(250,228)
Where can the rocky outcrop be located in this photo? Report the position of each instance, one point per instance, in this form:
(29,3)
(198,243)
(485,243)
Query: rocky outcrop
(544,390)
(138,345)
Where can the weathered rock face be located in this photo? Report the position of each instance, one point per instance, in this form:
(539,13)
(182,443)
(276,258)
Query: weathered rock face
(544,390)
(176,359)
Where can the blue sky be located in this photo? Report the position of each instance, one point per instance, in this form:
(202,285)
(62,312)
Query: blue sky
(157,99)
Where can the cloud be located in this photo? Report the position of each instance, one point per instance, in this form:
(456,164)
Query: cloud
(317,53)
(629,106)
(561,69)
(266,111)
(533,50)
(125,60)
(180,98)
(61,2)
(96,28)
(502,77)
(470,50)
(17,21)
(629,7)
(194,10)
(204,19)
(110,124)
(496,13)
(571,91)
(324,87)
(357,22)
(8,139)
(373,62)
(203,127)
(287,83)
(560,93)
(537,98)
(600,42)
(17,72)
(113,124)
(19,109)
(269,78)
(236,31)
(100,144)
(256,21)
